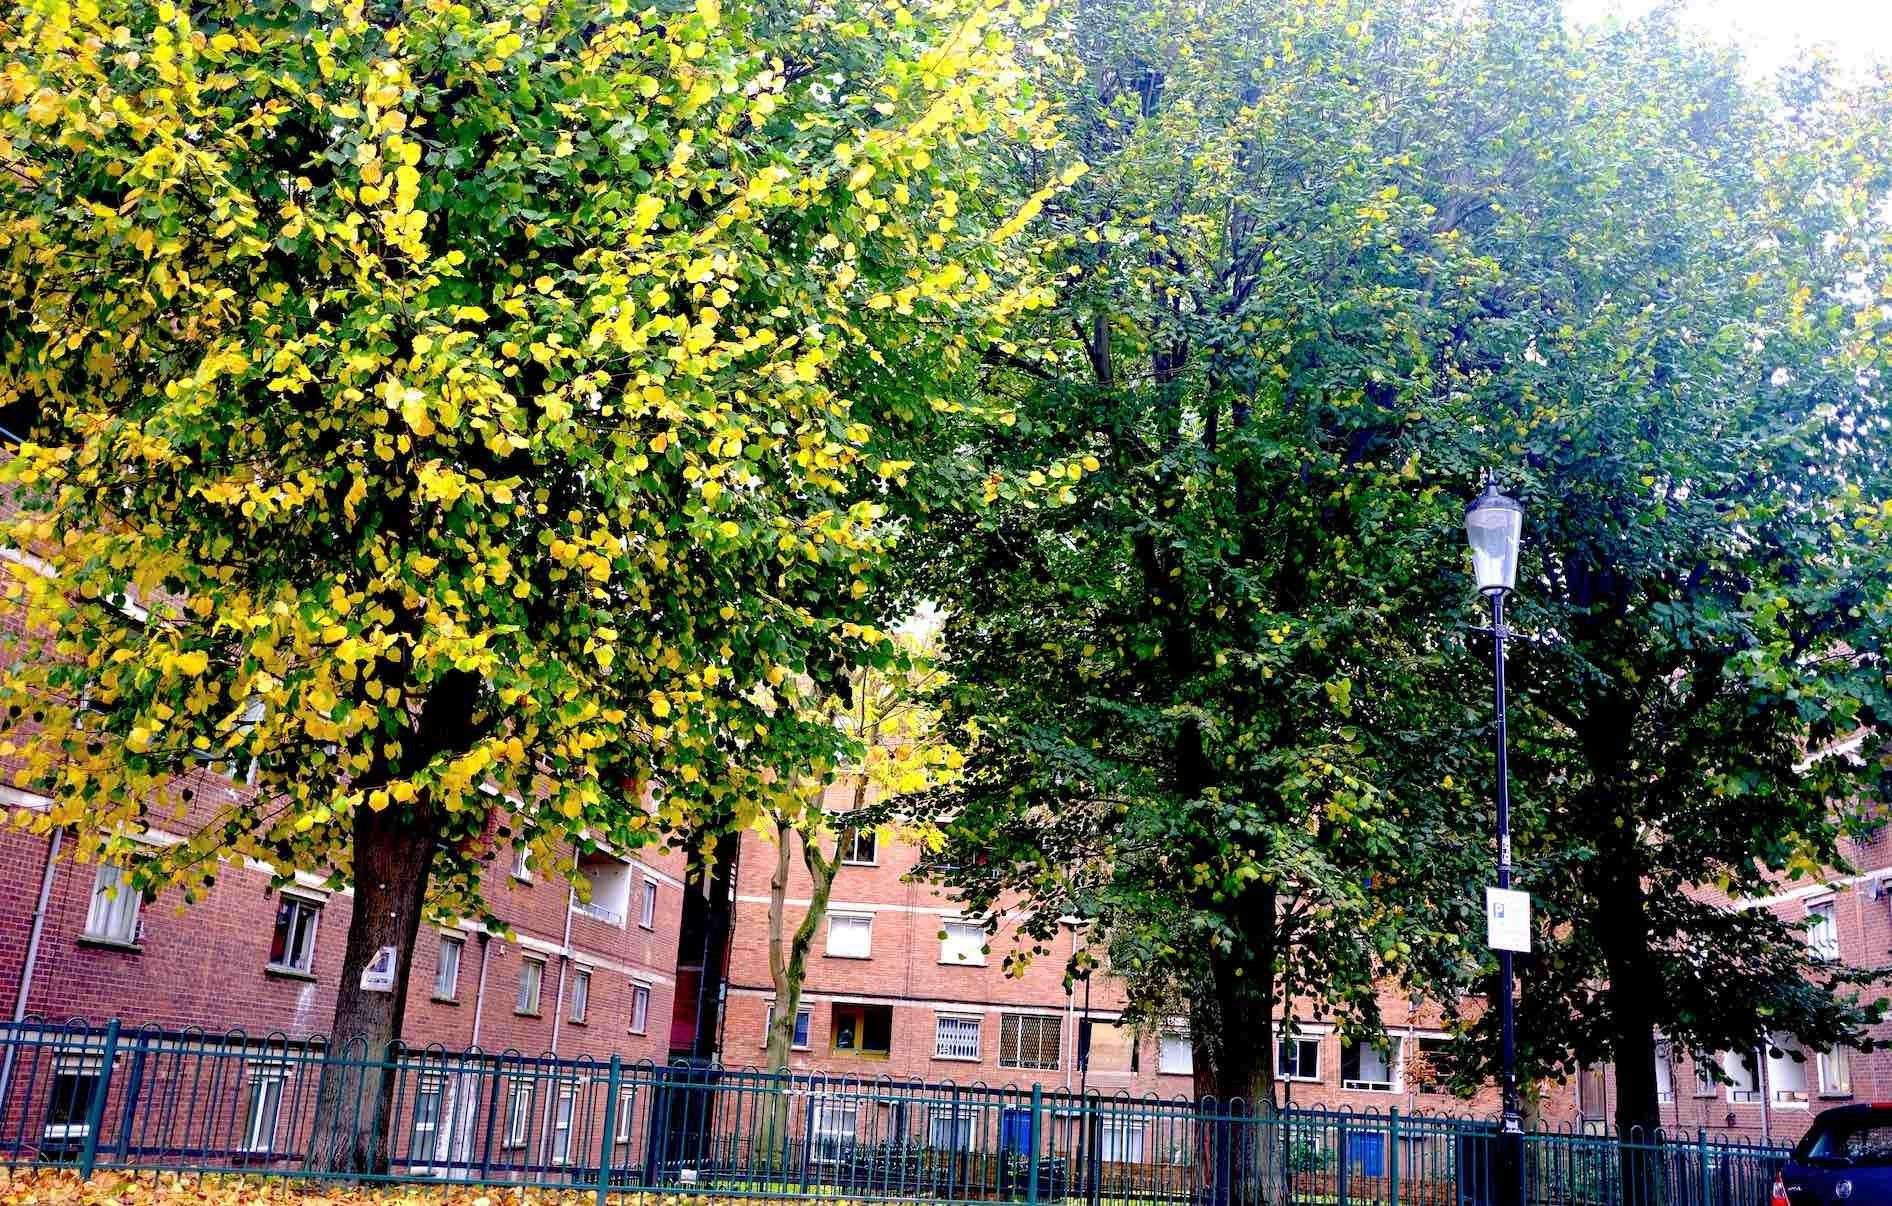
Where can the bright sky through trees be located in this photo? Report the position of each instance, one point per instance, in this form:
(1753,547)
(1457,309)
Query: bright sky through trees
(1772,32)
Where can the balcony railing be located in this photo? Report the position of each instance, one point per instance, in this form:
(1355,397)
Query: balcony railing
(598,912)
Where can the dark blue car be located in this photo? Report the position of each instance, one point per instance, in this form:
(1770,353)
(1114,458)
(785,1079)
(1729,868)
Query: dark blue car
(1844,1160)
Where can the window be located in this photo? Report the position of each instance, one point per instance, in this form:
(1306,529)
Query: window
(447,967)
(1427,1063)
(640,1008)
(1175,1056)
(428,1098)
(1835,1072)
(1743,1073)
(627,1102)
(69,1108)
(562,1125)
(1106,1046)
(292,946)
(1297,1058)
(860,847)
(1705,1085)
(950,1130)
(802,1017)
(962,942)
(1823,931)
(865,1030)
(581,996)
(607,894)
(1029,1040)
(519,1114)
(1592,1093)
(647,913)
(1786,1070)
(955,1037)
(1364,1066)
(834,1130)
(113,916)
(1664,1073)
(531,977)
(850,936)
(521,863)
(1120,1141)
(261,1104)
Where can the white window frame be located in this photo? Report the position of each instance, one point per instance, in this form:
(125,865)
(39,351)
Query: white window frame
(955,1046)
(851,847)
(949,1129)
(519,1099)
(1166,1045)
(521,867)
(1835,1072)
(564,1107)
(537,968)
(647,905)
(447,971)
(627,1104)
(265,1087)
(801,1011)
(829,1136)
(112,915)
(1705,1083)
(1301,1044)
(1121,1140)
(640,1008)
(305,966)
(1392,1065)
(581,995)
(954,935)
(1823,929)
(866,923)
(435,1087)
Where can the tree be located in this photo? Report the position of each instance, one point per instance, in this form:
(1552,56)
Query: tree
(896,748)
(457,414)
(1205,660)
(1682,382)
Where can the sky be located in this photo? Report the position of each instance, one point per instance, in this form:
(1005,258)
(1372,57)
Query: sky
(1775,32)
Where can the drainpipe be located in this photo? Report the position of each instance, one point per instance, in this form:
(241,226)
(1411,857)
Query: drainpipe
(558,1011)
(1767,1095)
(32,958)
(479,989)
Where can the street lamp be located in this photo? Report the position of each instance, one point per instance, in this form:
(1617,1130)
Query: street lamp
(1493,524)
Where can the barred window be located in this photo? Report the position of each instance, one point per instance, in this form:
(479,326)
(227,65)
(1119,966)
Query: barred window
(955,1037)
(1029,1040)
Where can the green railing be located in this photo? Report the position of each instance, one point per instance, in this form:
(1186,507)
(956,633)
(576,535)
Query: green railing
(109,1096)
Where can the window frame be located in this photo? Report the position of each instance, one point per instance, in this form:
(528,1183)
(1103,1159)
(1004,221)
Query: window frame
(296,905)
(520,1096)
(1391,1061)
(1301,1043)
(865,921)
(640,1007)
(647,905)
(1170,1036)
(1823,929)
(858,1048)
(851,847)
(452,990)
(940,1043)
(1018,1022)
(581,996)
(977,957)
(1841,1056)
(804,1026)
(108,905)
(537,967)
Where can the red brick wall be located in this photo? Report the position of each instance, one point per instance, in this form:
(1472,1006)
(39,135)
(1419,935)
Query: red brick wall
(904,971)
(205,965)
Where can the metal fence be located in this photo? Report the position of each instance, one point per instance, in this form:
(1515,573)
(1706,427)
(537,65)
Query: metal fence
(114,1097)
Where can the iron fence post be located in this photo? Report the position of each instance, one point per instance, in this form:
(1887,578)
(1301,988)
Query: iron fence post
(95,1109)
(1343,1166)
(1031,1138)
(610,1127)
(134,1082)
(1392,1157)
(1701,1166)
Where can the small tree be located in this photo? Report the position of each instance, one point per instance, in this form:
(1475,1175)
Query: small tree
(474,405)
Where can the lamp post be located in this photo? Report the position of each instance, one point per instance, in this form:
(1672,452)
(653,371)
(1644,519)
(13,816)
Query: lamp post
(1493,524)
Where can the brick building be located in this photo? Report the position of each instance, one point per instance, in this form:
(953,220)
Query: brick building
(899,985)
(579,979)
(1772,1093)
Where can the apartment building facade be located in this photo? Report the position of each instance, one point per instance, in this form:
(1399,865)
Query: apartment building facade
(579,978)
(900,984)
(1772,1092)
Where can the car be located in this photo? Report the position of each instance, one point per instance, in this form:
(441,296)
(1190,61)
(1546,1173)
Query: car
(1844,1159)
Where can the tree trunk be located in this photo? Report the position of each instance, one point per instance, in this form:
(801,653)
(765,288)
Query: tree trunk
(788,963)
(394,853)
